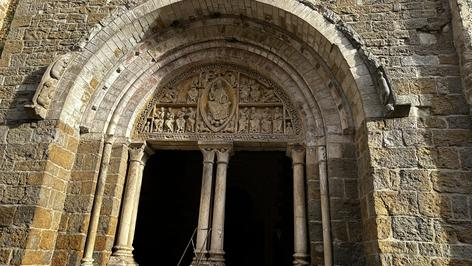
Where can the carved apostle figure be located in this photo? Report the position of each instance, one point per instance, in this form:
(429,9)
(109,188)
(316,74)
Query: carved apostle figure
(278,121)
(159,118)
(243,120)
(231,78)
(266,123)
(255,122)
(180,122)
(170,119)
(190,124)
(218,103)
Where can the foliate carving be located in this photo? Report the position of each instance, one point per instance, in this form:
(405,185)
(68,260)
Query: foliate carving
(219,102)
(48,85)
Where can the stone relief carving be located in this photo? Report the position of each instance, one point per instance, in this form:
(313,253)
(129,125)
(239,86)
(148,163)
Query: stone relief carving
(219,101)
(48,85)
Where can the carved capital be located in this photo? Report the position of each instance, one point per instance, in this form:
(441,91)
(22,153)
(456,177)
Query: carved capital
(297,153)
(208,154)
(223,154)
(136,152)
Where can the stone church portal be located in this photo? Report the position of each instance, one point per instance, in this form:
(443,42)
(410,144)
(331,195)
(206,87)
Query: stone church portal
(243,132)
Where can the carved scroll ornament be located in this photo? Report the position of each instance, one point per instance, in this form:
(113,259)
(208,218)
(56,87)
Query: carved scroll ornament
(219,102)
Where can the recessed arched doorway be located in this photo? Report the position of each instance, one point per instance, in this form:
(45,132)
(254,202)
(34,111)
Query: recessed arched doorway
(259,210)
(168,207)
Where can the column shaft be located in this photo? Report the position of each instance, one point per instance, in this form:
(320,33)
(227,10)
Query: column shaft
(122,248)
(97,203)
(299,207)
(135,207)
(217,233)
(205,202)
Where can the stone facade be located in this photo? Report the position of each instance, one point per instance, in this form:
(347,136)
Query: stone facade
(381,88)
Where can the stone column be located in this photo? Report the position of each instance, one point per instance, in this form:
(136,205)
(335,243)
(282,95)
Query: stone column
(122,254)
(299,206)
(217,232)
(87,259)
(325,209)
(203,231)
(137,195)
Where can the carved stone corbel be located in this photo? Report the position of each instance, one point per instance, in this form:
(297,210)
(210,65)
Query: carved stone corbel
(48,86)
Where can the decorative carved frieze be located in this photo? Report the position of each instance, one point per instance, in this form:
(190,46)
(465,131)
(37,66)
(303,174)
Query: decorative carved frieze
(219,102)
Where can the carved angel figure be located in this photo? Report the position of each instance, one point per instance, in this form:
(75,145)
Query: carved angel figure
(269,96)
(192,94)
(244,92)
(255,92)
(168,95)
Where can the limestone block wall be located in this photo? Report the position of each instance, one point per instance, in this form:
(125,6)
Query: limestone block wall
(415,171)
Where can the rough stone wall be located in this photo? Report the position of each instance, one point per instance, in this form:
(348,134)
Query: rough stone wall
(34,180)
(462,25)
(36,157)
(78,204)
(415,171)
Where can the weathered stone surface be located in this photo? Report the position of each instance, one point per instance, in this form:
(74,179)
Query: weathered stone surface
(453,182)
(415,180)
(394,157)
(412,228)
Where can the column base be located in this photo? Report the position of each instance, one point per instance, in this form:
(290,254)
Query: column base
(300,259)
(86,262)
(121,261)
(122,256)
(217,258)
(201,262)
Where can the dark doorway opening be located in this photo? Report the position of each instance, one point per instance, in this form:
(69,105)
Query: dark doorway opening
(259,210)
(168,207)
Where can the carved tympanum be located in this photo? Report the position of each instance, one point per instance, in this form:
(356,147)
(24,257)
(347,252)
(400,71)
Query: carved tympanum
(48,85)
(222,102)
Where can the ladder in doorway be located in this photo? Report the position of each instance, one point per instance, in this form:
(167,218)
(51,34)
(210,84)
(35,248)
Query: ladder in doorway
(192,243)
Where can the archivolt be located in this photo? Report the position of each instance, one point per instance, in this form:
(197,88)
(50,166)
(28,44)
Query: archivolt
(109,79)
